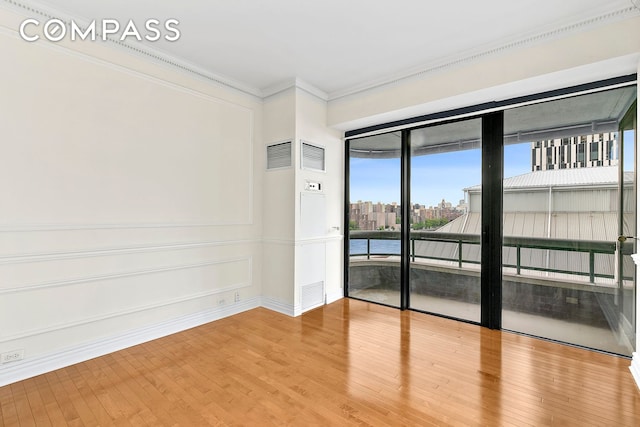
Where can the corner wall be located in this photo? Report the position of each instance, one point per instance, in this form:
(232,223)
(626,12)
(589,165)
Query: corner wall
(278,214)
(319,246)
(302,229)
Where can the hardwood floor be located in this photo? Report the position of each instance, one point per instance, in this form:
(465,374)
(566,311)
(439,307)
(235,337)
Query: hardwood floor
(348,363)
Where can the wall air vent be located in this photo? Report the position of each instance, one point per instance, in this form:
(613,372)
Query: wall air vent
(279,155)
(312,157)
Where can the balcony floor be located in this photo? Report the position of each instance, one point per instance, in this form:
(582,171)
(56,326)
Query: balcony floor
(555,329)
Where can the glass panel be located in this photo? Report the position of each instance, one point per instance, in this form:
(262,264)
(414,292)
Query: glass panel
(562,218)
(445,219)
(628,226)
(374,219)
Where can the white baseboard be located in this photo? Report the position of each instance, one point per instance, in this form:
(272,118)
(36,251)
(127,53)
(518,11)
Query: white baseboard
(18,371)
(28,368)
(295,310)
(635,368)
(333,296)
(278,306)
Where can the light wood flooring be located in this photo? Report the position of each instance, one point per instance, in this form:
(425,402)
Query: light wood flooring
(348,363)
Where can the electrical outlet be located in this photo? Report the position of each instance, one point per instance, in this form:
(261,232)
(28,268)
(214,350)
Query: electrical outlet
(236,297)
(12,356)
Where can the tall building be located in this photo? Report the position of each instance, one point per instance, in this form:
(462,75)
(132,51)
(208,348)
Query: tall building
(600,149)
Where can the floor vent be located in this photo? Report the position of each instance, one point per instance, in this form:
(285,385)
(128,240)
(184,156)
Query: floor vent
(312,295)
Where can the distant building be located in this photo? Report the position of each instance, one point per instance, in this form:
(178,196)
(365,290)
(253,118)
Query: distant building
(565,204)
(600,149)
(370,216)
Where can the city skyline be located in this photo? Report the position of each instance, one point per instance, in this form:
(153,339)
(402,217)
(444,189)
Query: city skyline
(366,215)
(462,169)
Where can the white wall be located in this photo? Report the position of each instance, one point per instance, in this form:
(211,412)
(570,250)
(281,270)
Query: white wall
(311,127)
(557,61)
(278,198)
(135,202)
(299,253)
(130,206)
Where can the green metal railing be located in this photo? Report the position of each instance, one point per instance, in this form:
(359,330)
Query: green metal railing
(590,247)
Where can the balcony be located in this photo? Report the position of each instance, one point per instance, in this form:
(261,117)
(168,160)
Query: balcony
(550,285)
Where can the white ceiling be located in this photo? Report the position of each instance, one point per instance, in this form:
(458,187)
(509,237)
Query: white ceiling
(339,46)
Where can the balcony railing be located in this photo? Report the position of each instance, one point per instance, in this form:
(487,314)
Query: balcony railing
(590,247)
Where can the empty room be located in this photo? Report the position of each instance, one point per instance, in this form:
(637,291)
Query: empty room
(295,213)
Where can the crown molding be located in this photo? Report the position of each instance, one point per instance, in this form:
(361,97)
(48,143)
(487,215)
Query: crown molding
(546,35)
(294,83)
(170,61)
(133,47)
(159,57)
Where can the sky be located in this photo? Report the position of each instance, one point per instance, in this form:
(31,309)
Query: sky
(433,177)
(437,176)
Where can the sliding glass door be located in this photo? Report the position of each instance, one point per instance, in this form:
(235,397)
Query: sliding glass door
(521,217)
(374,219)
(568,194)
(446,174)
